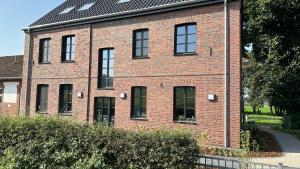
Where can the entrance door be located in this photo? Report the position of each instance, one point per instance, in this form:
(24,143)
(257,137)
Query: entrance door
(104,110)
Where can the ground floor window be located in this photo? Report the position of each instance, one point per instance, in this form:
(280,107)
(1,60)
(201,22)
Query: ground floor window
(184,104)
(42,98)
(65,98)
(1,93)
(139,102)
(104,110)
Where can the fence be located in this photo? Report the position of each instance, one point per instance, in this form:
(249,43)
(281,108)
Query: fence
(230,163)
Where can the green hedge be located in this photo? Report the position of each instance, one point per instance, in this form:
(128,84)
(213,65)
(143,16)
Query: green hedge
(54,143)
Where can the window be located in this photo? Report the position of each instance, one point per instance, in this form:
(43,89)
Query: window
(184,104)
(185,38)
(104,110)
(67,10)
(45,50)
(140,43)
(106,68)
(10,92)
(65,98)
(68,48)
(42,98)
(86,6)
(1,93)
(139,102)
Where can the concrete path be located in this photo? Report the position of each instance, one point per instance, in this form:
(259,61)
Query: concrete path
(290,146)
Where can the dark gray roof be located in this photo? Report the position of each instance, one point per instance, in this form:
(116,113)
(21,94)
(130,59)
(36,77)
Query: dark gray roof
(11,67)
(108,7)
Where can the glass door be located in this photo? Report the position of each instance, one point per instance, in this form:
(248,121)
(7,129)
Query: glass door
(104,110)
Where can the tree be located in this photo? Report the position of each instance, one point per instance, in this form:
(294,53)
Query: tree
(272,28)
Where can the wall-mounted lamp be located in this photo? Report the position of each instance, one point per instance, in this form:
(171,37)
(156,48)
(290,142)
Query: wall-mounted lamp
(211,97)
(123,95)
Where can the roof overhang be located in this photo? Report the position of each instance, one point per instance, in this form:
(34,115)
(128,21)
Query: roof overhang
(10,78)
(122,15)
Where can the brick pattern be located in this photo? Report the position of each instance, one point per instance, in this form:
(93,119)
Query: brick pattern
(161,72)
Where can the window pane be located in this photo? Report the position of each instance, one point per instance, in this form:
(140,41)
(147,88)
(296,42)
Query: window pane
(190,92)
(104,54)
(145,43)
(138,35)
(110,82)
(137,92)
(179,102)
(111,54)
(190,103)
(111,72)
(73,48)
(138,44)
(146,34)
(145,51)
(192,29)
(138,52)
(192,38)
(179,114)
(104,64)
(181,39)
(181,30)
(180,48)
(68,40)
(104,73)
(111,63)
(103,82)
(191,47)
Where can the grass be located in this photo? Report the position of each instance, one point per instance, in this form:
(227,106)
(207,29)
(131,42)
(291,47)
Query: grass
(264,110)
(269,120)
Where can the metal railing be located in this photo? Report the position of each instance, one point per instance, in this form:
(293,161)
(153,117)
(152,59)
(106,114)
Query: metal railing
(231,163)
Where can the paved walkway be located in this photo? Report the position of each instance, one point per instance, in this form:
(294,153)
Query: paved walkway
(290,147)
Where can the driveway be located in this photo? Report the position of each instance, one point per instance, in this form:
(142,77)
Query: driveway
(290,146)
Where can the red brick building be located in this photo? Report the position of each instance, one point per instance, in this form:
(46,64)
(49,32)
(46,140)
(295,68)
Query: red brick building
(10,84)
(137,63)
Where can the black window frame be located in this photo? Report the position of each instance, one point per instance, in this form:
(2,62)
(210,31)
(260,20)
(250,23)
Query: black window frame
(65,106)
(140,107)
(65,55)
(175,113)
(42,51)
(110,110)
(39,98)
(109,81)
(1,93)
(142,39)
(186,25)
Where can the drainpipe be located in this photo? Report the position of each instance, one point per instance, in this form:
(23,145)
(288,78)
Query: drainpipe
(29,71)
(89,76)
(225,73)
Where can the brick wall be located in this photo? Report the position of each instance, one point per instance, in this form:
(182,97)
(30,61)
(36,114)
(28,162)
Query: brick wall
(160,72)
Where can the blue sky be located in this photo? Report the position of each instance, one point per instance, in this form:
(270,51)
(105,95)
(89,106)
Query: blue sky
(18,14)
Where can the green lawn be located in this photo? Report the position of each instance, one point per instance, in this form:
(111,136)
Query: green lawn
(264,110)
(269,120)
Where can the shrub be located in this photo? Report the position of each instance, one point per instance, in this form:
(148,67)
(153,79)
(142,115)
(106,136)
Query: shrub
(42,142)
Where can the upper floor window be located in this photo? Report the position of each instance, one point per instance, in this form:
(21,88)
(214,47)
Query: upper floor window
(106,68)
(42,98)
(86,6)
(140,43)
(65,98)
(185,38)
(67,10)
(184,104)
(68,48)
(139,102)
(45,50)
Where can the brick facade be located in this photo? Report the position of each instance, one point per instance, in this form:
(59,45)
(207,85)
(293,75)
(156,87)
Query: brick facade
(160,73)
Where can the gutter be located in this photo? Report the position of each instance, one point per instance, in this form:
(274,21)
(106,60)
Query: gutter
(126,14)
(225,73)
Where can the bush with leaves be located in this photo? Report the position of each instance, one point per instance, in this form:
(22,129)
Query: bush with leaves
(42,142)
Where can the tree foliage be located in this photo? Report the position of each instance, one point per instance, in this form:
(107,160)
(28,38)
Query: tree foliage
(272,29)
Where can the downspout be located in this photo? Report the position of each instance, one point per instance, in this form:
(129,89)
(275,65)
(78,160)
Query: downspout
(29,71)
(89,76)
(225,73)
